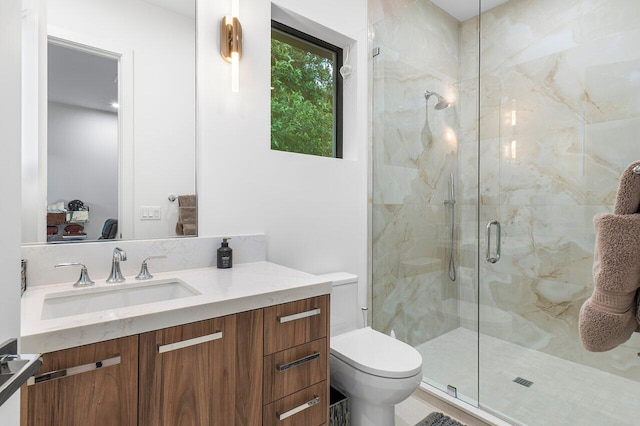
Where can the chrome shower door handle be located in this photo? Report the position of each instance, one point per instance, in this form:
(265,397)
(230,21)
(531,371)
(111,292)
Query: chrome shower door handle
(493,259)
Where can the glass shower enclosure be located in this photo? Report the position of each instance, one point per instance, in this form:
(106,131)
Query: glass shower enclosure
(497,135)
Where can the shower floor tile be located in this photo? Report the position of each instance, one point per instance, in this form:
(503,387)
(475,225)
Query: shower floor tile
(563,392)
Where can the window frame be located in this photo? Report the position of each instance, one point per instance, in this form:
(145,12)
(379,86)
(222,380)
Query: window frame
(338,89)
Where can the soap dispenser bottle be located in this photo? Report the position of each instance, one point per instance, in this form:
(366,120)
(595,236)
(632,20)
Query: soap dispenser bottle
(225,255)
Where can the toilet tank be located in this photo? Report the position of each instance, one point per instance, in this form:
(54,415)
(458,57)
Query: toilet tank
(344,302)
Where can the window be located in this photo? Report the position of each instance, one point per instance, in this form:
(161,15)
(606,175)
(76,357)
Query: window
(306,93)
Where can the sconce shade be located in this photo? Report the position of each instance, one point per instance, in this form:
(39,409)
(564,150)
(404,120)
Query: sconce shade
(230,38)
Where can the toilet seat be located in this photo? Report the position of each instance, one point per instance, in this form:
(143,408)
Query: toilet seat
(377,354)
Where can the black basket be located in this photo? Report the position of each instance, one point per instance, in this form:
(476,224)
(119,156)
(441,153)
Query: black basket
(338,409)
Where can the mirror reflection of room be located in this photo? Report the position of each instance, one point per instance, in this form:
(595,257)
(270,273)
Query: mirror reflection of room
(82,156)
(141,155)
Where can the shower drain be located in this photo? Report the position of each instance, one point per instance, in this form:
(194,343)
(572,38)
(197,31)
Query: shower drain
(523,382)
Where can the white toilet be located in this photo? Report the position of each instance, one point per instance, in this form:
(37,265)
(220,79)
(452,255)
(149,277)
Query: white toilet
(374,370)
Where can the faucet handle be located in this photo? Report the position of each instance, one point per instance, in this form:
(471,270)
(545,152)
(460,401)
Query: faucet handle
(144,270)
(119,254)
(84,280)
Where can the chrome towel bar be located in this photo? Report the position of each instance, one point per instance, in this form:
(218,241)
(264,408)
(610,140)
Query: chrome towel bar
(15,368)
(636,170)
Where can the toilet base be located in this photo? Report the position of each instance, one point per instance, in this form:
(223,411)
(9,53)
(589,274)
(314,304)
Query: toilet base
(366,414)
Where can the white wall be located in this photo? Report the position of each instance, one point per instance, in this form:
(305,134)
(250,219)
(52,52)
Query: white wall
(10,130)
(34,121)
(312,209)
(83,161)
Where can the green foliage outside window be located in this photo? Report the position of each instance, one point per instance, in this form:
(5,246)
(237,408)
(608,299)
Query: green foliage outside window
(302,99)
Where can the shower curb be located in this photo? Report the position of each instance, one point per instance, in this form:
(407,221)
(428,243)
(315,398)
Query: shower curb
(427,393)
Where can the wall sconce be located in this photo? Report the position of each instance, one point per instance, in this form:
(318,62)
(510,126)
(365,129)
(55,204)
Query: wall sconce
(231,44)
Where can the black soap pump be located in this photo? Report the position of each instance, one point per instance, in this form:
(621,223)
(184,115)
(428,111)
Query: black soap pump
(225,255)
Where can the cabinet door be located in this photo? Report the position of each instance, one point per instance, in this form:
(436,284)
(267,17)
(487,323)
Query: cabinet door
(94,384)
(204,373)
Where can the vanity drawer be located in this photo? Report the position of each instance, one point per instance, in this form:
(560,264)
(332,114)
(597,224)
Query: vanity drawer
(293,369)
(307,407)
(292,324)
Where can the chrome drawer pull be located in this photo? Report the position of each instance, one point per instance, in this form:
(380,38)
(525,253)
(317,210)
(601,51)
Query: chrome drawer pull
(298,362)
(72,371)
(190,342)
(301,315)
(302,407)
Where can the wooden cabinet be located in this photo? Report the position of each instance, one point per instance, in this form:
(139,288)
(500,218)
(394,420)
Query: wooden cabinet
(265,366)
(248,392)
(204,373)
(291,324)
(89,385)
(296,364)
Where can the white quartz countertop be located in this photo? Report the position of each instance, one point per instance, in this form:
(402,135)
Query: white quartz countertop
(223,291)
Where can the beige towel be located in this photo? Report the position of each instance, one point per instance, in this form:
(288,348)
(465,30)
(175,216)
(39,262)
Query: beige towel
(628,198)
(187,215)
(187,201)
(609,316)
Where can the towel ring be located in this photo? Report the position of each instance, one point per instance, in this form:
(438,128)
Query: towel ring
(636,170)
(174,197)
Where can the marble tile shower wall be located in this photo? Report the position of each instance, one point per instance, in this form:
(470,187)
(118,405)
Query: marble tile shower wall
(412,163)
(569,70)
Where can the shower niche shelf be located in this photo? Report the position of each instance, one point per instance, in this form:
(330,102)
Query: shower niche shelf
(420,265)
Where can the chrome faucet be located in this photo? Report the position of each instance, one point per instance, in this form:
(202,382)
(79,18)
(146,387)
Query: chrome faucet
(84,280)
(144,269)
(115,276)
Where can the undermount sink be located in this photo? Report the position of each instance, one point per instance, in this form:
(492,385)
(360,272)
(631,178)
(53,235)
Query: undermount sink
(96,299)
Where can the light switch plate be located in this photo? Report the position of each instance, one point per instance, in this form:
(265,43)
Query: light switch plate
(150,212)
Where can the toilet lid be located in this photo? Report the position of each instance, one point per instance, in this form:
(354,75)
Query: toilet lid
(376,353)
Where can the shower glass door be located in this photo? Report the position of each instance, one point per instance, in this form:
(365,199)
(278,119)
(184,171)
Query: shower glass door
(424,208)
(533,145)
(496,139)
(559,122)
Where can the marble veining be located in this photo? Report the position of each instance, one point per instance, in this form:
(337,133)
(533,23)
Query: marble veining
(570,79)
(414,151)
(567,74)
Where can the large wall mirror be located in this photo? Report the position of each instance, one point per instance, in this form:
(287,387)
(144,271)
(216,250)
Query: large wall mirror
(114,157)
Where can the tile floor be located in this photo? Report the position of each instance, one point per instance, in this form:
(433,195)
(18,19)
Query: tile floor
(563,392)
(421,404)
(412,410)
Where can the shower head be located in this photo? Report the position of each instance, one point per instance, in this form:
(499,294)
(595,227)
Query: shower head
(442,102)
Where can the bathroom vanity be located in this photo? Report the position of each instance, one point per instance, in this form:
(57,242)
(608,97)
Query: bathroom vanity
(248,347)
